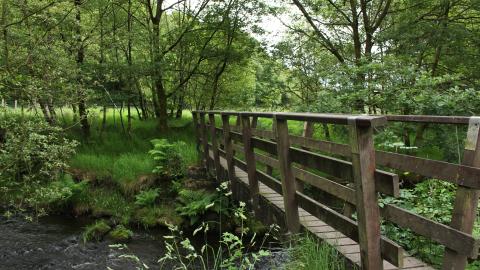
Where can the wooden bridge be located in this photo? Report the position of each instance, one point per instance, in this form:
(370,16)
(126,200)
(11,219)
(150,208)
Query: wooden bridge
(353,173)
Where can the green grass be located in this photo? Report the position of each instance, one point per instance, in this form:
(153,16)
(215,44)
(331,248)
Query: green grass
(310,254)
(112,153)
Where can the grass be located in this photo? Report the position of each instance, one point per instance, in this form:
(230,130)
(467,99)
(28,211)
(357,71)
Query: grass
(310,254)
(114,154)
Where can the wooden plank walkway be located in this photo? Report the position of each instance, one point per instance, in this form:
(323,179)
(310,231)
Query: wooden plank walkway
(345,246)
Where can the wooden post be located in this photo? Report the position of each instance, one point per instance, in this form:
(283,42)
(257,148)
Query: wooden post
(466,199)
(227,142)
(288,179)
(269,170)
(368,216)
(254,121)
(227,138)
(206,155)
(216,155)
(196,126)
(250,160)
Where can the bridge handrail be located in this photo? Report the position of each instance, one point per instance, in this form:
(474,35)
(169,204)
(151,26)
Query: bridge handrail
(295,157)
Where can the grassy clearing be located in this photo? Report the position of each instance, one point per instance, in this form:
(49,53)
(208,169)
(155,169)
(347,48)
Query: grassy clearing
(113,154)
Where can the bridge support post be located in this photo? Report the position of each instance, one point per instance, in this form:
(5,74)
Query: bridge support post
(227,142)
(466,199)
(288,179)
(196,126)
(204,134)
(251,163)
(215,146)
(368,214)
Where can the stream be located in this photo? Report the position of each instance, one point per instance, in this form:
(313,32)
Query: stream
(55,242)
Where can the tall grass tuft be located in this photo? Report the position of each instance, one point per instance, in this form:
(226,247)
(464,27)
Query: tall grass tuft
(311,254)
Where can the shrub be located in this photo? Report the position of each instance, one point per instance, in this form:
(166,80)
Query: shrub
(33,151)
(56,194)
(168,162)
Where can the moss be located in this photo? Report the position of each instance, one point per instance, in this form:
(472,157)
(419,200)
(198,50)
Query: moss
(121,234)
(96,231)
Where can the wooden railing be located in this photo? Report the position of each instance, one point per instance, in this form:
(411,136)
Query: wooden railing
(304,159)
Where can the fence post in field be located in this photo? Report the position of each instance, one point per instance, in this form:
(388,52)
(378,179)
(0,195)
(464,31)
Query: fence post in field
(269,170)
(196,126)
(466,199)
(288,179)
(227,142)
(204,135)
(250,160)
(215,147)
(368,215)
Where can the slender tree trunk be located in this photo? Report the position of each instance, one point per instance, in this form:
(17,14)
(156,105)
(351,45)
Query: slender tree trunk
(443,29)
(5,34)
(129,117)
(82,106)
(104,118)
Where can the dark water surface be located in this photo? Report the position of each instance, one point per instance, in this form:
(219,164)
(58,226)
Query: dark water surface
(55,243)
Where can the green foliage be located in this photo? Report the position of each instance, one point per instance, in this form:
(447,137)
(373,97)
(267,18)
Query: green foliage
(195,203)
(33,153)
(158,215)
(147,197)
(235,251)
(310,254)
(107,202)
(432,199)
(168,162)
(96,231)
(56,194)
(121,234)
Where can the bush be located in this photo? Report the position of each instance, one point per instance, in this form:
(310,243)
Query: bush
(168,162)
(56,194)
(33,151)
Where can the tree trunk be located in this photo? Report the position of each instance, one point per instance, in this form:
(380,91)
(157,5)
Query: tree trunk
(82,106)
(161,112)
(129,118)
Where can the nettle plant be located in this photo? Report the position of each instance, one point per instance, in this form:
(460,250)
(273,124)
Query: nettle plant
(169,163)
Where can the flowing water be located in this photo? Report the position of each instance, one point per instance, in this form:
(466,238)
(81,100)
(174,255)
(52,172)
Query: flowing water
(55,243)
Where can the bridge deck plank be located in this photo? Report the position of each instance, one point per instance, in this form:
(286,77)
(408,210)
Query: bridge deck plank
(348,248)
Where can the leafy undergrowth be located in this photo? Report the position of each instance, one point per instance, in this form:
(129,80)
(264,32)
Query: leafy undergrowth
(310,254)
(433,199)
